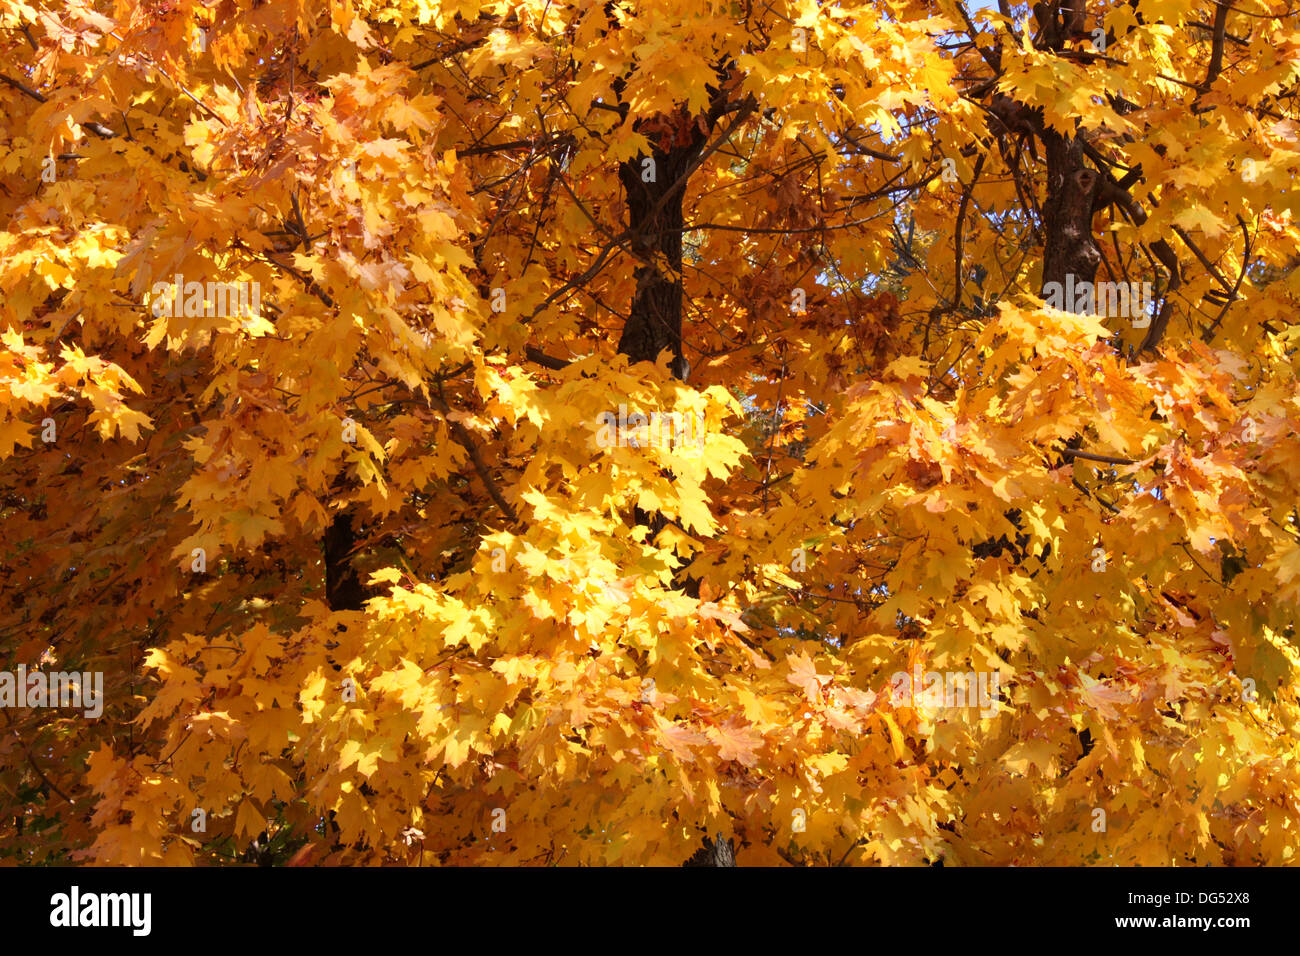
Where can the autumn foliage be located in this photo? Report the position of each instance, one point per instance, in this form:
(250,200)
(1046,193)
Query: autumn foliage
(632,390)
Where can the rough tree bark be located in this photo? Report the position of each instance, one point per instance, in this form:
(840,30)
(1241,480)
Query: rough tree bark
(718,852)
(1069,245)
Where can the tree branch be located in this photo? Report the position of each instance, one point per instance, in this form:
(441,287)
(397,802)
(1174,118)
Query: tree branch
(476,459)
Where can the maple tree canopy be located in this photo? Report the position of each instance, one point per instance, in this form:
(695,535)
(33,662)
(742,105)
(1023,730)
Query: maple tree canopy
(561,432)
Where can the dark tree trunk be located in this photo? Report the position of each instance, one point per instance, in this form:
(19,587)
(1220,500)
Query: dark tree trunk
(1069,246)
(654,201)
(719,853)
(343,590)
